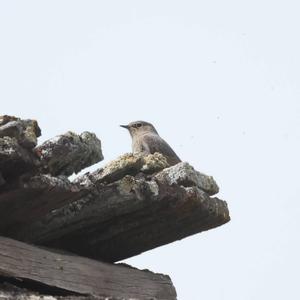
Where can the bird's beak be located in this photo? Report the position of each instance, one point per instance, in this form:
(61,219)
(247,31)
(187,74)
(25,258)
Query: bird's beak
(125,126)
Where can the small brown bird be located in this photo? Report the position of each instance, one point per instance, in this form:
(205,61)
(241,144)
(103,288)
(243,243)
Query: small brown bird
(145,139)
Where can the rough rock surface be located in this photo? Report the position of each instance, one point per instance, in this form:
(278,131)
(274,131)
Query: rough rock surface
(15,160)
(69,153)
(62,155)
(184,174)
(25,132)
(127,164)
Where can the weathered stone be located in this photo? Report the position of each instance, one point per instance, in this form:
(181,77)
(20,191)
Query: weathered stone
(185,175)
(69,153)
(46,181)
(25,132)
(14,159)
(31,133)
(154,162)
(5,119)
(127,164)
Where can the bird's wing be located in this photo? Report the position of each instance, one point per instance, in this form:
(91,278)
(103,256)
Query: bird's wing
(154,143)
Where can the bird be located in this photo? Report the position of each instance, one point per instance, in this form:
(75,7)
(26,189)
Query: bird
(146,140)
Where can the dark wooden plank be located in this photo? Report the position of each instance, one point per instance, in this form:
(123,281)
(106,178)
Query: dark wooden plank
(80,275)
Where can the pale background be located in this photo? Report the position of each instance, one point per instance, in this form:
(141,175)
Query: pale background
(221,82)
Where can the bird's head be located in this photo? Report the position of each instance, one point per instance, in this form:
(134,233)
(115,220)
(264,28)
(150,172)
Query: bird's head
(139,127)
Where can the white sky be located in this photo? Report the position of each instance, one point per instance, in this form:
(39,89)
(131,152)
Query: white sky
(221,82)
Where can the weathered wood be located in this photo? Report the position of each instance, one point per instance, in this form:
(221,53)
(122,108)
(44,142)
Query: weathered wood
(30,198)
(78,275)
(116,220)
(2,181)
(27,295)
(14,289)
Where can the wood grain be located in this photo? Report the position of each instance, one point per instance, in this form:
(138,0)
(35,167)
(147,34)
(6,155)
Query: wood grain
(80,275)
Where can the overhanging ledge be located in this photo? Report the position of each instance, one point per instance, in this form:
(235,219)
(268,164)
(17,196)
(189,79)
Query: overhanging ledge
(124,215)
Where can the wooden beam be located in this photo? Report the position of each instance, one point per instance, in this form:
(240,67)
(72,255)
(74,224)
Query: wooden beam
(78,275)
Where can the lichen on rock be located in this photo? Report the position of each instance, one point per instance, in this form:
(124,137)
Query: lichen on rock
(132,171)
(61,156)
(184,174)
(126,164)
(69,153)
(154,163)
(25,132)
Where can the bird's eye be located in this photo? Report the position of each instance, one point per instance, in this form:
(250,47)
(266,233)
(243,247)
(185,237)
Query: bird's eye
(138,125)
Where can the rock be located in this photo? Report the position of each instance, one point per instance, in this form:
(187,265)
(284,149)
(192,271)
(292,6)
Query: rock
(154,162)
(69,153)
(17,138)
(5,119)
(25,132)
(14,159)
(50,183)
(185,175)
(127,164)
